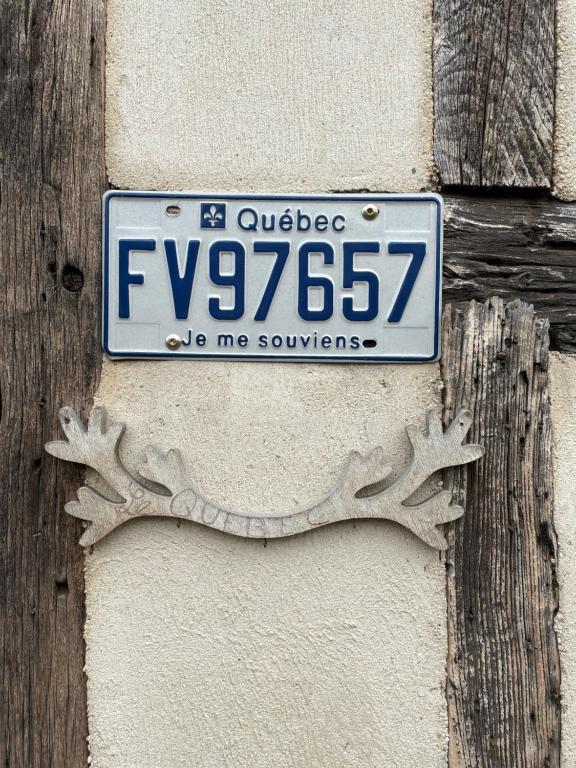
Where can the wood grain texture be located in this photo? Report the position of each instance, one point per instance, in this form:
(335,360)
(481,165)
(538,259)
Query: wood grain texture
(503,665)
(494,92)
(52,176)
(515,248)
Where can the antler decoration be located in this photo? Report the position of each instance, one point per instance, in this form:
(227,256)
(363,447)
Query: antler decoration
(360,492)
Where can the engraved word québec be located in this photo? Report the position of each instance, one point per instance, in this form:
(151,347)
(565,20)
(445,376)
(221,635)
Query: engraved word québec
(361,491)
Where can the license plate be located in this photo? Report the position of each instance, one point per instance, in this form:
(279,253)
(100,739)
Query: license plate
(276,277)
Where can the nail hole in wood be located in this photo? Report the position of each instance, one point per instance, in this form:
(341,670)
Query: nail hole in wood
(72,278)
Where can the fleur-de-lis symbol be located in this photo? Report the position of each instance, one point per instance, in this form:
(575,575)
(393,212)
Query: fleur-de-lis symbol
(213,216)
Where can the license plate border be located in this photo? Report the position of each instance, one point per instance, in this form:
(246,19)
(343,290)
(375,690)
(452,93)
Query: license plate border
(263,197)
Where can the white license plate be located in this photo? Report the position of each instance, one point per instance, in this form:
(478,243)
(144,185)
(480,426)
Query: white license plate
(275,277)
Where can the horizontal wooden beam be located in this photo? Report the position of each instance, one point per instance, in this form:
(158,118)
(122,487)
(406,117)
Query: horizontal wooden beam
(515,248)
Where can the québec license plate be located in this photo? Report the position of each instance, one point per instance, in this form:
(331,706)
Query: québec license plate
(278,277)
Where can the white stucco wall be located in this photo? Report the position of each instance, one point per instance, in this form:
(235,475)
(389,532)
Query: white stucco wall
(563,398)
(327,649)
(324,650)
(270,96)
(565,107)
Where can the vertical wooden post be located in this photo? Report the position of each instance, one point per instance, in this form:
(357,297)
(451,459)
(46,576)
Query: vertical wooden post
(494,92)
(52,177)
(503,665)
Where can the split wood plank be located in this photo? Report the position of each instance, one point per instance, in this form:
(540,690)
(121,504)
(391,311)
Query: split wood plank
(503,684)
(494,64)
(515,248)
(52,176)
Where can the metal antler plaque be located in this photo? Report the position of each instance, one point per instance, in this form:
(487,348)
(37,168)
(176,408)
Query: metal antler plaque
(360,493)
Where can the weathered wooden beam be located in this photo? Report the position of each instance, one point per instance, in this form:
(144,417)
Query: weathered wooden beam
(503,665)
(494,92)
(521,248)
(52,177)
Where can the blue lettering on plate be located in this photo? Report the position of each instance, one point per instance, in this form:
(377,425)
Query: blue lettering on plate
(418,252)
(127,278)
(181,284)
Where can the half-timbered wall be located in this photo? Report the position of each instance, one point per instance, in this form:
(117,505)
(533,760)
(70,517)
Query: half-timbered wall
(474,99)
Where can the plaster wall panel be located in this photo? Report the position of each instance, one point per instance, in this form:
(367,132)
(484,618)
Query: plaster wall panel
(323,650)
(275,96)
(563,399)
(326,649)
(565,117)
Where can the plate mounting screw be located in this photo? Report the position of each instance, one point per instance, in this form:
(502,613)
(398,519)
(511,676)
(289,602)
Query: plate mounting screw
(173,341)
(370,211)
